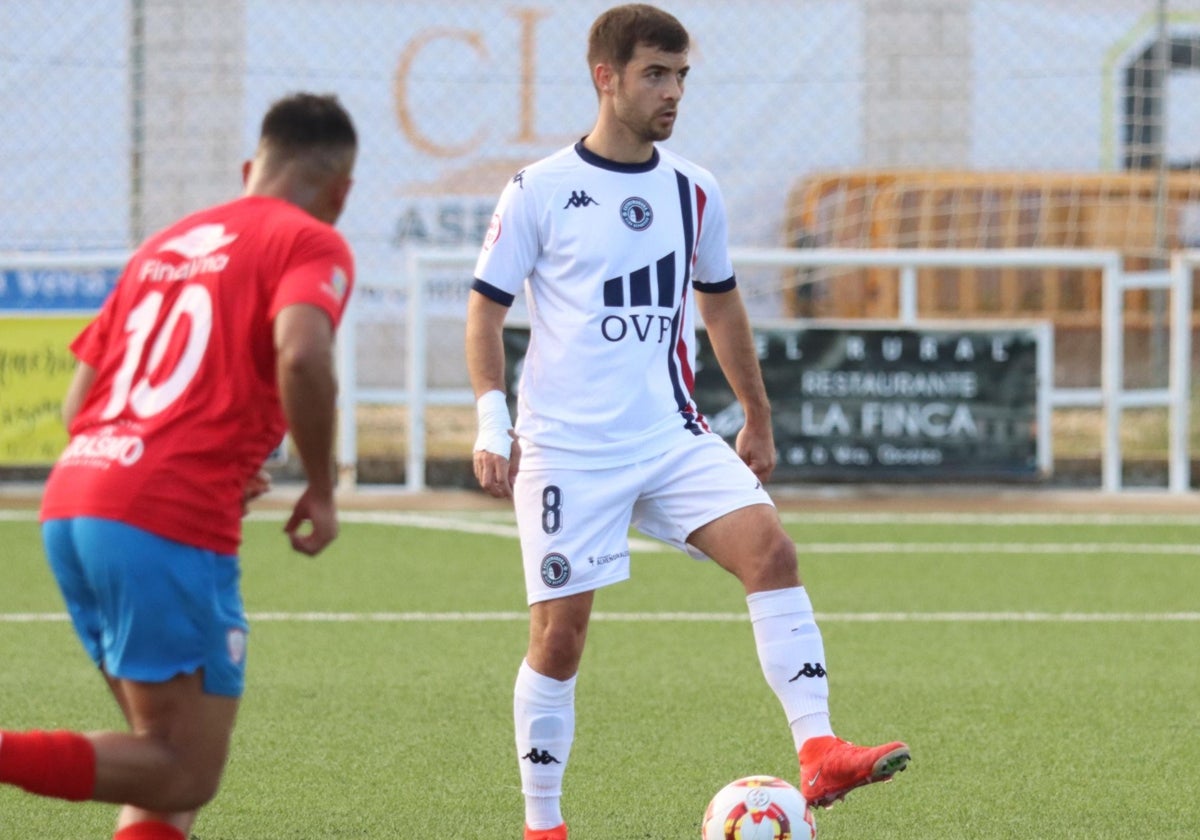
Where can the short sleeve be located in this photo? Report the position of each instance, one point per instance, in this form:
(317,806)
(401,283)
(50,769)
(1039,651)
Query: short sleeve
(90,345)
(713,269)
(510,249)
(318,271)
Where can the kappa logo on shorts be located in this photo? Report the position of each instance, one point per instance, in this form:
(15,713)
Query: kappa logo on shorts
(556,570)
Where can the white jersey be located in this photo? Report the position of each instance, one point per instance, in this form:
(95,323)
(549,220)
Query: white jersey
(608,254)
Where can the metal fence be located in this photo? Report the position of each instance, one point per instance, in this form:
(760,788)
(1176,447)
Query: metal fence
(844,123)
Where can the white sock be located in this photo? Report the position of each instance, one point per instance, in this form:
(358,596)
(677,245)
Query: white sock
(544,714)
(793,659)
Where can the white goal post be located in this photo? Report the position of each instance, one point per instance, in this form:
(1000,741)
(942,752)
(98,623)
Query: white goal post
(1112,397)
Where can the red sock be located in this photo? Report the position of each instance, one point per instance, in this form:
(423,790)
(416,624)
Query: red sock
(58,764)
(150,830)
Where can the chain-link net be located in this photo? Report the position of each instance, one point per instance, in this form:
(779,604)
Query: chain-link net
(848,123)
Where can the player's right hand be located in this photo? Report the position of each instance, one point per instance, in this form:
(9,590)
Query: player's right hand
(495,473)
(313,523)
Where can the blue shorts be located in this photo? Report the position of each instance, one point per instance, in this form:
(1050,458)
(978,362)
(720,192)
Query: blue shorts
(147,608)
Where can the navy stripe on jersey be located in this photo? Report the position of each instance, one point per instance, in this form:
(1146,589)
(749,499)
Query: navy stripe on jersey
(492,293)
(682,398)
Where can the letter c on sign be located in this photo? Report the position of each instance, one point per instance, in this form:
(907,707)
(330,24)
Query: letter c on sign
(400,88)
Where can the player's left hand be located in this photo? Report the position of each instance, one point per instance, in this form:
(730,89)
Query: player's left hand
(318,512)
(756,447)
(258,484)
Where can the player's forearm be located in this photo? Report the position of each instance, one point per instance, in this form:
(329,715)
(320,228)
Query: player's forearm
(308,393)
(732,339)
(485,344)
(77,391)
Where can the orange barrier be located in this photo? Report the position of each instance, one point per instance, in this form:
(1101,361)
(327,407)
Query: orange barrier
(961,209)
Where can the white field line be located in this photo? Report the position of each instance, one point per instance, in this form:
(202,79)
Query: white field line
(470,525)
(681,617)
(462,523)
(998,519)
(459,522)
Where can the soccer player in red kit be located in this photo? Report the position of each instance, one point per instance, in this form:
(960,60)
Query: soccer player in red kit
(217,339)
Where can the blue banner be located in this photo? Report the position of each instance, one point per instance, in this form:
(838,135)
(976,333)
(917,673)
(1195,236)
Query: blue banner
(55,289)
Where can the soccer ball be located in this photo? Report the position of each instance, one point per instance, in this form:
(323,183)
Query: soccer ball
(758,808)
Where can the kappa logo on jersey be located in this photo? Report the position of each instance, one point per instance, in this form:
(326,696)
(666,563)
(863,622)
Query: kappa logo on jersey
(580,198)
(647,287)
(199,242)
(636,213)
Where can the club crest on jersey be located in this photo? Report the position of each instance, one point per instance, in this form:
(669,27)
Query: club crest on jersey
(338,283)
(556,570)
(636,213)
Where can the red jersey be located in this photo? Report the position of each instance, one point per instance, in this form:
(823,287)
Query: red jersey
(185,407)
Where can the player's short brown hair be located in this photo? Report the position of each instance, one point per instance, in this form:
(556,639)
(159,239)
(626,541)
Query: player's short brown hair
(618,32)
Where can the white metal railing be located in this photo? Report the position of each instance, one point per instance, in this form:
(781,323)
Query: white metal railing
(1112,397)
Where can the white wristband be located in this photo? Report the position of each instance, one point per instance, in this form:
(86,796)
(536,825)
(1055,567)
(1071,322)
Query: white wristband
(494,424)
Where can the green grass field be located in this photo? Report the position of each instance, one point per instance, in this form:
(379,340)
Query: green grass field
(1045,670)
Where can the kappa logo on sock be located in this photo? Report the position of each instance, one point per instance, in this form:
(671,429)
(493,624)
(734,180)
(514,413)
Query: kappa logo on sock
(536,756)
(809,670)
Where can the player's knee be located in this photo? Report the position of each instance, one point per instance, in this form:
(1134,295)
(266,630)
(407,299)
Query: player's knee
(563,639)
(777,567)
(191,791)
(560,646)
(182,785)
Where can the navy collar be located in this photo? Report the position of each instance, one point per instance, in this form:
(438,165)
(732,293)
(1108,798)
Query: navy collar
(604,163)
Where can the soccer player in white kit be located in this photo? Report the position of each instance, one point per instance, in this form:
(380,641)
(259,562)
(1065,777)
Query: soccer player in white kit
(617,243)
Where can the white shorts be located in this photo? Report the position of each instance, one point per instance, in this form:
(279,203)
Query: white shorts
(574,524)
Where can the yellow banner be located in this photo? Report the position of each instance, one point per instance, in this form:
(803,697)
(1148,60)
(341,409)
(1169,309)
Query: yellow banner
(35,369)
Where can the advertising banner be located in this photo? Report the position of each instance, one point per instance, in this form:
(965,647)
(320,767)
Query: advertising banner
(880,402)
(35,368)
(55,289)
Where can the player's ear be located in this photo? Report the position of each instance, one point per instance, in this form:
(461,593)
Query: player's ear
(246,171)
(603,77)
(341,191)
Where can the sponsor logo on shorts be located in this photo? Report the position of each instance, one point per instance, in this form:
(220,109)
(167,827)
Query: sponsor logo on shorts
(556,570)
(605,559)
